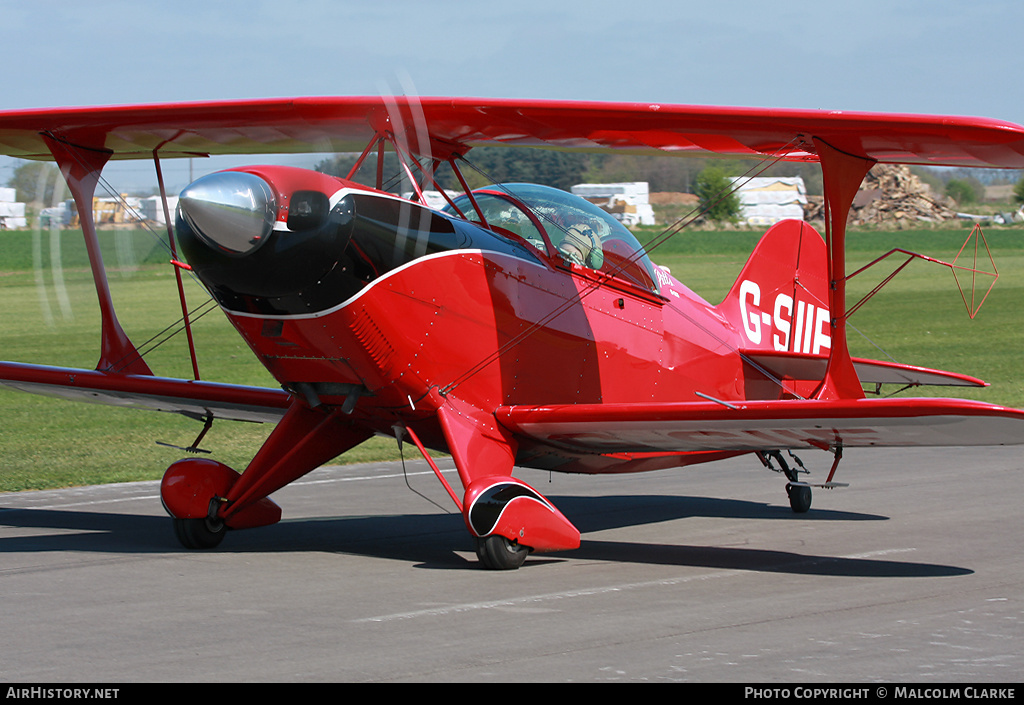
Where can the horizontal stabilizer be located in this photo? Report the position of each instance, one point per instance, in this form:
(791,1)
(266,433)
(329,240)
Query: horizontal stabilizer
(759,425)
(812,367)
(192,398)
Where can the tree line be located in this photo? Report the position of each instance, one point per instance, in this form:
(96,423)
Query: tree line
(562,170)
(35,181)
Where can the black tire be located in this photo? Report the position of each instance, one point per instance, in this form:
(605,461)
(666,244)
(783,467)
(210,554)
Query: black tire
(799,497)
(498,553)
(199,533)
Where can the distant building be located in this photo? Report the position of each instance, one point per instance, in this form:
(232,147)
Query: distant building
(12,213)
(108,211)
(628,202)
(152,208)
(765,200)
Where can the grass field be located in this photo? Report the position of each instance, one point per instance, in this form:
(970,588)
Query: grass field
(50,317)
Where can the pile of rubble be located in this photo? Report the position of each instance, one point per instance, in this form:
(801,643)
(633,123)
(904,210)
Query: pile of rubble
(891,196)
(667,198)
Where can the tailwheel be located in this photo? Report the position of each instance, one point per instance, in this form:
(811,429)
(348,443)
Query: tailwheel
(498,553)
(199,533)
(799,492)
(799,497)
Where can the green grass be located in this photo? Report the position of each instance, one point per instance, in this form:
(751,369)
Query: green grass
(919,318)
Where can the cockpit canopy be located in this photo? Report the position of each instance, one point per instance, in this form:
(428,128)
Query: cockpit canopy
(563,225)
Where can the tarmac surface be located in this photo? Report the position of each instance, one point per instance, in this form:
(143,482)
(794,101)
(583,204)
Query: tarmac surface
(912,574)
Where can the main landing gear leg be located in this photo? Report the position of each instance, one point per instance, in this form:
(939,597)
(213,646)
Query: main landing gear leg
(494,551)
(507,518)
(206,498)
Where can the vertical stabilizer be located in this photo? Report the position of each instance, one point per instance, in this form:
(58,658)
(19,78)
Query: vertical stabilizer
(780,299)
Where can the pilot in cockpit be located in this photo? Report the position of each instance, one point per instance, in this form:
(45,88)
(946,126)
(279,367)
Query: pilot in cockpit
(581,245)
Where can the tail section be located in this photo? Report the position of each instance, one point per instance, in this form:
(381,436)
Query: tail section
(779,307)
(780,300)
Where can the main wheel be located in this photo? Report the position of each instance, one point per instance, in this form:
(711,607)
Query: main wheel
(199,533)
(498,553)
(799,497)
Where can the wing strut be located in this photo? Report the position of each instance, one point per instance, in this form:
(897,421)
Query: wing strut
(843,174)
(177,269)
(81,169)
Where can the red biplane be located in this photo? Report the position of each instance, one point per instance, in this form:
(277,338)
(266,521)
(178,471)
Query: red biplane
(517,325)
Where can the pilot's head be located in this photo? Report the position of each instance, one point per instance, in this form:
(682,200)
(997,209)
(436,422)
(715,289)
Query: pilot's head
(582,246)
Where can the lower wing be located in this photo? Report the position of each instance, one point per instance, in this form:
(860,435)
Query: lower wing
(192,398)
(687,427)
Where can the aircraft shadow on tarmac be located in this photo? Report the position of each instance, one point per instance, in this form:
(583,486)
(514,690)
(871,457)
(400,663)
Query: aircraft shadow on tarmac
(439,541)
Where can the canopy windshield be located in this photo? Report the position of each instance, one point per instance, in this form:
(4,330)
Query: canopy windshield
(580,232)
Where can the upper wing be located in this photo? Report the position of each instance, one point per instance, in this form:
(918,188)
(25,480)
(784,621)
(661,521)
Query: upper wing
(456,124)
(765,425)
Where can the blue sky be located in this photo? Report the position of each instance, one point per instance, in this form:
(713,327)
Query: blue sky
(917,56)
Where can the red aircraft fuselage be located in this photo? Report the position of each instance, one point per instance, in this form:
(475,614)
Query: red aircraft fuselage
(380,315)
(384,304)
